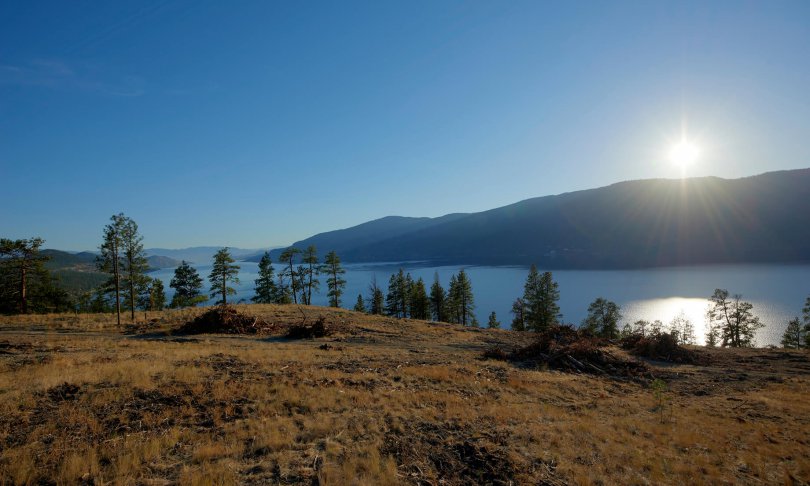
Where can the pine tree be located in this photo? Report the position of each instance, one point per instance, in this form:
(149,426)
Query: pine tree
(222,272)
(519,315)
(603,318)
(460,300)
(157,296)
(437,300)
(283,296)
(493,322)
(334,280)
(451,302)
(806,316)
(266,289)
(419,302)
(376,298)
(395,300)
(309,274)
(288,258)
(187,285)
(734,317)
(111,255)
(133,264)
(540,295)
(795,335)
(20,262)
(360,306)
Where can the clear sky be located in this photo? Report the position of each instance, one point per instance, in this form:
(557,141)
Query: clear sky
(253,124)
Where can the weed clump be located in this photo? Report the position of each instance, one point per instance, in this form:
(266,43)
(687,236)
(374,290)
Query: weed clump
(225,320)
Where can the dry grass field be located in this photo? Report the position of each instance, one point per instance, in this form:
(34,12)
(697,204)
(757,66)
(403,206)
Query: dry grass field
(383,401)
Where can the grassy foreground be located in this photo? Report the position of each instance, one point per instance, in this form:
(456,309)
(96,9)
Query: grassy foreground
(383,401)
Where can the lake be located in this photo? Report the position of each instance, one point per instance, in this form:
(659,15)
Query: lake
(777,292)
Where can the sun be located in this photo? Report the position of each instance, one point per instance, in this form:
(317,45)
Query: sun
(684,153)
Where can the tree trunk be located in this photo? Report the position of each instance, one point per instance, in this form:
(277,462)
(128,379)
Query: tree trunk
(224,291)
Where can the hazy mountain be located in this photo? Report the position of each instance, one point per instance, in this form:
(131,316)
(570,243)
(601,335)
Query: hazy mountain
(625,225)
(344,240)
(198,254)
(157,262)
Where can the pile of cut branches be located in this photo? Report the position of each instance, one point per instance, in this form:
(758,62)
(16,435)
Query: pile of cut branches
(660,346)
(224,319)
(567,349)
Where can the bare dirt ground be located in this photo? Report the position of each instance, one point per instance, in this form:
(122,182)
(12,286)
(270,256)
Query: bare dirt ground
(380,401)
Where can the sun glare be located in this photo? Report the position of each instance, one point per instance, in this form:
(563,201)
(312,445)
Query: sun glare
(683,153)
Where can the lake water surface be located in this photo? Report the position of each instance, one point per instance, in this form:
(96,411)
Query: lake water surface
(777,292)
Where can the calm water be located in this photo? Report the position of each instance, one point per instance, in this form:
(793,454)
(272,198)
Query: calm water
(778,292)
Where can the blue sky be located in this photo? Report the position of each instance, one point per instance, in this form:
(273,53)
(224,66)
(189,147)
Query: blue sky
(253,124)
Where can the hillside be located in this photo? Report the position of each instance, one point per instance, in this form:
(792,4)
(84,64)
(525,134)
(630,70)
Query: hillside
(626,225)
(381,401)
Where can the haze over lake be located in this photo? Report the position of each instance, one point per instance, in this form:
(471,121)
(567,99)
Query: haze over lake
(777,291)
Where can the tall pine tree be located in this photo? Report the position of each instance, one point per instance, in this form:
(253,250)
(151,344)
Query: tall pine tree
(266,289)
(134,264)
(420,304)
(309,274)
(540,295)
(223,272)
(437,300)
(288,258)
(187,285)
(334,280)
(109,261)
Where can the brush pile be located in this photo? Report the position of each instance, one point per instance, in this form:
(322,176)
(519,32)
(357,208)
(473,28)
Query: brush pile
(567,349)
(659,346)
(309,331)
(224,319)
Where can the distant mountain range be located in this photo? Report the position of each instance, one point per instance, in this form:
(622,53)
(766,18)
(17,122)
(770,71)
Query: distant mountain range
(200,254)
(644,223)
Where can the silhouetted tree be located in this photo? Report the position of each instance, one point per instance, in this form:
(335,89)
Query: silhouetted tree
(735,319)
(222,272)
(540,296)
(493,322)
(795,335)
(334,280)
(682,330)
(288,258)
(437,300)
(283,290)
(187,285)
(309,274)
(360,306)
(20,260)
(518,315)
(376,298)
(603,318)
(266,289)
(133,262)
(419,302)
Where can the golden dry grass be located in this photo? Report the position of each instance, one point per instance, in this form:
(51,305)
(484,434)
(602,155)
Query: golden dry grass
(391,402)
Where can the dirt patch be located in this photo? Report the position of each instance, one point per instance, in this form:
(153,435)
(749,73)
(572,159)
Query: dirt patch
(226,320)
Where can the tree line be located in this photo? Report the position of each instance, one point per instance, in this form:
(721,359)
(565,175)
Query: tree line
(27,286)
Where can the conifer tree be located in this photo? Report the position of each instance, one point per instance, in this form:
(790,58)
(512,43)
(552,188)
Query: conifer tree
(21,262)
(437,300)
(283,296)
(157,295)
(110,260)
(376,298)
(360,306)
(397,297)
(134,264)
(540,296)
(493,322)
(419,302)
(266,289)
(334,280)
(519,315)
(794,335)
(223,272)
(461,300)
(452,301)
(309,274)
(288,258)
(187,285)
(603,318)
